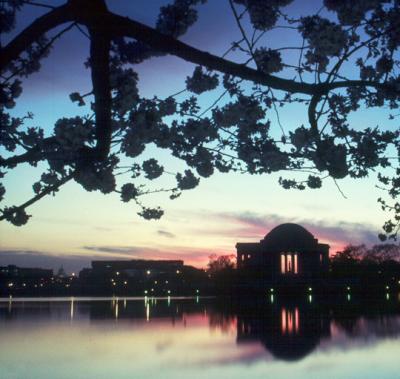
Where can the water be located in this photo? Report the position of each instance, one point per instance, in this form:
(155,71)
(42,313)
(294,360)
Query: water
(198,338)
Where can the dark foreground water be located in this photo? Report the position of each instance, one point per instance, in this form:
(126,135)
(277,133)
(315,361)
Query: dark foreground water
(198,338)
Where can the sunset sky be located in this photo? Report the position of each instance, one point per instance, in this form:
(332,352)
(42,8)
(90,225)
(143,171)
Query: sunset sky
(76,226)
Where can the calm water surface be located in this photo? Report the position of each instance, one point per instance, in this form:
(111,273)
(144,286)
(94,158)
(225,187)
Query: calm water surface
(198,338)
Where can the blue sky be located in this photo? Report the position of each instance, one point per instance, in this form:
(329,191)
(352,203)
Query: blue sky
(76,226)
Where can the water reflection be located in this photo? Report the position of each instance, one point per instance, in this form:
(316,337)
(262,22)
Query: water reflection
(288,332)
(205,331)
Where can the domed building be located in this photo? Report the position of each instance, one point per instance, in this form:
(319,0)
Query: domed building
(288,254)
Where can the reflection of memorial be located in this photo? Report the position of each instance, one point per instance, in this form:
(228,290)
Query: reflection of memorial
(287,332)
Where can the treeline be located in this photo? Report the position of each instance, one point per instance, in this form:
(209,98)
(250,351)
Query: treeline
(367,269)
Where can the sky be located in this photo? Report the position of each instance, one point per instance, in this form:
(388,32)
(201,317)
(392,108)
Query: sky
(76,226)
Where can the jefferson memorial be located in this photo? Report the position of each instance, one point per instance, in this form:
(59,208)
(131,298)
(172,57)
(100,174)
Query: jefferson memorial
(288,254)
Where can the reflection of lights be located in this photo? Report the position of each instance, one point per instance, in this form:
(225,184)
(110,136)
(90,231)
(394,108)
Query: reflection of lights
(169,300)
(197,299)
(124,303)
(310,298)
(116,309)
(387,296)
(289,321)
(348,297)
(148,312)
(272,298)
(72,308)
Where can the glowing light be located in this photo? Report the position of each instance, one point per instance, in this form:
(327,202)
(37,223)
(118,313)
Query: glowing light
(387,287)
(117,273)
(114,284)
(289,267)
(73,274)
(178,272)
(148,312)
(145,291)
(296,271)
(148,272)
(283,263)
(10,284)
(348,288)
(309,289)
(271,290)
(197,291)
(125,282)
(168,291)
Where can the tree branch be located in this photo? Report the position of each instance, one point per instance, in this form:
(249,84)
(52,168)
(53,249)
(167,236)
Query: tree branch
(48,190)
(33,32)
(100,64)
(94,12)
(33,155)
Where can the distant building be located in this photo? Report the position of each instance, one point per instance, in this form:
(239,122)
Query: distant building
(138,267)
(142,277)
(13,278)
(12,271)
(288,254)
